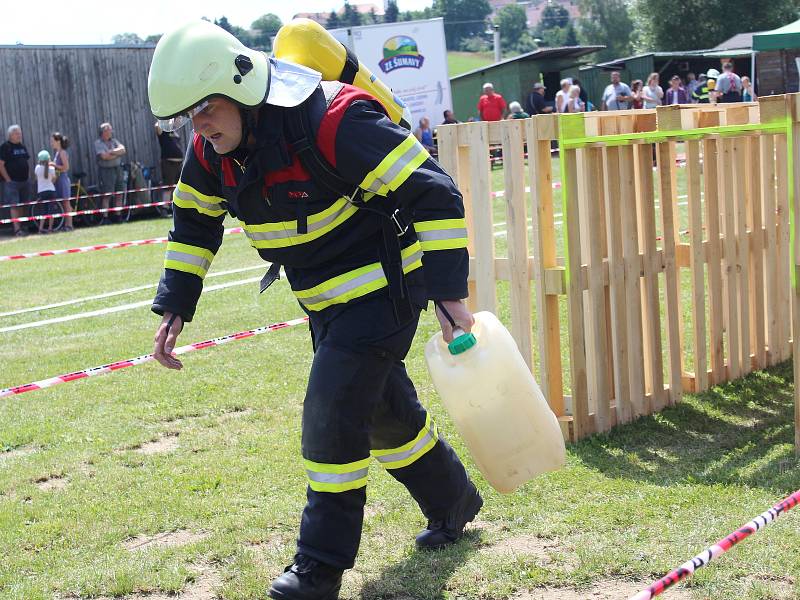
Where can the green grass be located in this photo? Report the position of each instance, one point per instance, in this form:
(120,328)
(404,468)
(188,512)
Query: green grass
(628,506)
(461,62)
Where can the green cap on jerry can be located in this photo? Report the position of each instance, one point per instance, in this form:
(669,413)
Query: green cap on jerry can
(461,342)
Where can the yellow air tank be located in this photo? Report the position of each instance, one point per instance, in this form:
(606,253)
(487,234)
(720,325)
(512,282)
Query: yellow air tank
(306,42)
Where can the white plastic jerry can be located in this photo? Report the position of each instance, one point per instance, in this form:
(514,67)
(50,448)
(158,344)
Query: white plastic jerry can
(496,404)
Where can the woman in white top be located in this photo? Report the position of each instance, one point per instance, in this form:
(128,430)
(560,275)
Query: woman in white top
(652,92)
(574,102)
(45,173)
(562,96)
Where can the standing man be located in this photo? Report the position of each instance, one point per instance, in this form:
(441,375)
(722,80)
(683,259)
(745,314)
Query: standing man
(276,148)
(491,106)
(536,102)
(729,85)
(109,160)
(617,95)
(171,159)
(15,171)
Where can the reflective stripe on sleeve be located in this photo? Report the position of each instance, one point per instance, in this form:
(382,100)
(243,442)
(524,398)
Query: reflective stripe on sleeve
(396,167)
(189,259)
(396,458)
(443,234)
(324,477)
(185,196)
(356,283)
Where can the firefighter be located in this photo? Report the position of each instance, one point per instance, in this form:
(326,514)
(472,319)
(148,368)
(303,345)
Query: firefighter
(275,147)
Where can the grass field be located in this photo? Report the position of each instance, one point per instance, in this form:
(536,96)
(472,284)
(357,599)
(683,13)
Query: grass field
(148,482)
(461,62)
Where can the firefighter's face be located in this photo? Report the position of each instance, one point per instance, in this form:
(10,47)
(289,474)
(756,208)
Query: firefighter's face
(221,124)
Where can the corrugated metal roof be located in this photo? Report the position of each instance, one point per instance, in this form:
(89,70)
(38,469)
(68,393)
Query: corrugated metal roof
(560,52)
(738,42)
(619,63)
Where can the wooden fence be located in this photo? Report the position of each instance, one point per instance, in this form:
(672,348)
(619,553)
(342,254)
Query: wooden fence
(660,299)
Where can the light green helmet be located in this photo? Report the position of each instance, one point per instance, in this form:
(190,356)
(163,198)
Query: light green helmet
(201,60)
(44,155)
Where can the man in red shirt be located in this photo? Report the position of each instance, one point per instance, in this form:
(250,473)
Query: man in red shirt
(491,106)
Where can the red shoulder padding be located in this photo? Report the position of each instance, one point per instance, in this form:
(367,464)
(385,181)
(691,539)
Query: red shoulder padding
(197,142)
(294,172)
(228,177)
(328,127)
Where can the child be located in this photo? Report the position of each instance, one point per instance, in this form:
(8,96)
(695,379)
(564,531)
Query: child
(45,187)
(574,102)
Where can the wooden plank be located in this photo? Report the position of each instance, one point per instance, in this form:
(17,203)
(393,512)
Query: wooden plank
(580,397)
(480,185)
(540,130)
(667,193)
(768,197)
(793,102)
(784,258)
(697,264)
(740,166)
(616,267)
(517,227)
(598,348)
(730,256)
(651,318)
(757,282)
(713,257)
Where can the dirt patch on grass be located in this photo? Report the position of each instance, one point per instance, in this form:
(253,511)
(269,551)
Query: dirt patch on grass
(610,589)
(204,587)
(165,539)
(166,443)
(49,484)
(235,413)
(19,452)
(544,550)
(276,542)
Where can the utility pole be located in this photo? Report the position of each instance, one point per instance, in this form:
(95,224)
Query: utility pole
(498,54)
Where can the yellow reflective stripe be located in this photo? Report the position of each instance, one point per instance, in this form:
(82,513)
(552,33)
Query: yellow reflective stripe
(438,224)
(396,458)
(189,259)
(356,283)
(325,477)
(395,167)
(284,233)
(442,234)
(449,244)
(185,196)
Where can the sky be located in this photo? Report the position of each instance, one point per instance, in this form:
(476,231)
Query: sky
(95,22)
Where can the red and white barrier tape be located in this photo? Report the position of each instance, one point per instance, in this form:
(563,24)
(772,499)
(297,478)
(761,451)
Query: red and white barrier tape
(132,362)
(91,211)
(109,246)
(97,195)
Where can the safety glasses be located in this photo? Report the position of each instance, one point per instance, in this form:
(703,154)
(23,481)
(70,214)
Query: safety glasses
(178,121)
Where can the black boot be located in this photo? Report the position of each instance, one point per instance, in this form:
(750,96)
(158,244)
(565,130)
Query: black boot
(451,529)
(307,579)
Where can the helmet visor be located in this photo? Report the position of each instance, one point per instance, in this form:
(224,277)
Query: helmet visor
(178,121)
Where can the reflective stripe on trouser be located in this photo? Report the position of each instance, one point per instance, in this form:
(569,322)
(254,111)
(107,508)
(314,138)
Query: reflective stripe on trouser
(441,234)
(402,456)
(359,399)
(395,167)
(189,259)
(356,283)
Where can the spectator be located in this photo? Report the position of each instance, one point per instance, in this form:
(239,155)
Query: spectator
(515,111)
(425,136)
(46,175)
(702,93)
(491,106)
(691,84)
(652,94)
(617,95)
(729,85)
(536,102)
(574,102)
(109,159)
(676,94)
(449,119)
(15,171)
(171,159)
(748,95)
(562,96)
(636,94)
(59,144)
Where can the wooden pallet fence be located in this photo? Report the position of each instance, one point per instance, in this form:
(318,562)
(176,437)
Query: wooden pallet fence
(673,279)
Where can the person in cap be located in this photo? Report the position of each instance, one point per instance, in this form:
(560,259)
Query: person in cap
(704,93)
(362,266)
(537,105)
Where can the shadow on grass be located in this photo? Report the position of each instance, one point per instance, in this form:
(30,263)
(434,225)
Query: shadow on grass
(739,433)
(422,575)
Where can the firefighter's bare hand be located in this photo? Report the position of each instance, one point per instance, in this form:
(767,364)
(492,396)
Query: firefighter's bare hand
(165,339)
(461,315)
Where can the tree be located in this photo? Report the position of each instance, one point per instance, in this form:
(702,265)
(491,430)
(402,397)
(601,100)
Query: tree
(392,13)
(555,27)
(153,39)
(126,39)
(664,27)
(608,23)
(351,16)
(264,29)
(512,21)
(463,19)
(333,21)
(234,30)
